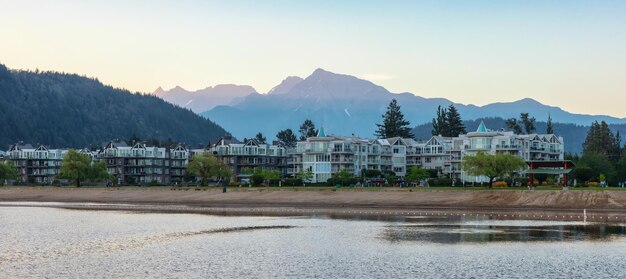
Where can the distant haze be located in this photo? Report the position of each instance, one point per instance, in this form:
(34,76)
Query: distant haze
(566,53)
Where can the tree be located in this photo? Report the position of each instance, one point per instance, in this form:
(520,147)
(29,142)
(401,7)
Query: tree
(271,175)
(455,125)
(207,166)
(344,176)
(416,174)
(549,127)
(394,124)
(306,175)
(528,122)
(512,124)
(373,173)
(98,172)
(598,163)
(440,122)
(76,166)
(492,166)
(582,173)
(260,138)
(307,130)
(600,140)
(7,171)
(287,137)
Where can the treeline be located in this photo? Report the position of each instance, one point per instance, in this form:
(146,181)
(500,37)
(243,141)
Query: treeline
(66,110)
(603,159)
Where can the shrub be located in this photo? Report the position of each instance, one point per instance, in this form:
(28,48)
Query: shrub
(444,181)
(593,184)
(500,184)
(293,182)
(522,180)
(257,179)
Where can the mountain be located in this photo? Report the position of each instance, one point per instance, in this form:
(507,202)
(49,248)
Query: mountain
(574,135)
(65,110)
(207,98)
(286,85)
(347,105)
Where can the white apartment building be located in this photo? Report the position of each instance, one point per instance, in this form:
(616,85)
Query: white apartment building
(327,155)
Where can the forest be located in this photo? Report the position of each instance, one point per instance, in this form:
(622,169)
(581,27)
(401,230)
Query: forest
(66,110)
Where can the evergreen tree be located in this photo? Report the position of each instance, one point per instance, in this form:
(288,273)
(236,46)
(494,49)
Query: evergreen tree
(307,130)
(512,124)
(549,128)
(260,138)
(455,125)
(600,140)
(528,122)
(440,123)
(394,124)
(287,137)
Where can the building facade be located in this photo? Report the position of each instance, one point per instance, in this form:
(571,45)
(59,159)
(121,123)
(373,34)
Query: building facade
(322,155)
(326,155)
(250,154)
(38,165)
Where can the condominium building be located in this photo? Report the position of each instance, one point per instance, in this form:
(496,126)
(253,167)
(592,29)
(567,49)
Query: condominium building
(326,155)
(38,165)
(323,155)
(250,154)
(139,163)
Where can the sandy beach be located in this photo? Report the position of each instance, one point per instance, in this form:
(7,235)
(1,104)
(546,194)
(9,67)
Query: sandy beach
(572,205)
(356,198)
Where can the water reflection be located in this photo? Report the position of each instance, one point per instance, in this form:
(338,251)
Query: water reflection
(475,232)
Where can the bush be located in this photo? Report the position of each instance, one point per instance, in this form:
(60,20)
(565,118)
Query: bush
(257,179)
(592,184)
(444,181)
(500,184)
(293,182)
(522,180)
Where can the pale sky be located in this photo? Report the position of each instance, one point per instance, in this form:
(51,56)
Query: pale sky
(570,54)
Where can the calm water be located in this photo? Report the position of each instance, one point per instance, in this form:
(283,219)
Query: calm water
(50,242)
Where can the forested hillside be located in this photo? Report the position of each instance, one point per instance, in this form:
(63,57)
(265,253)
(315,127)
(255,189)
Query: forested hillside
(67,110)
(574,135)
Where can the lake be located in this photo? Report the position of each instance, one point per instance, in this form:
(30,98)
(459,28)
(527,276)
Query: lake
(53,242)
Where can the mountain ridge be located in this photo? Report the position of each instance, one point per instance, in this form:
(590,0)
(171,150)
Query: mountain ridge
(345,104)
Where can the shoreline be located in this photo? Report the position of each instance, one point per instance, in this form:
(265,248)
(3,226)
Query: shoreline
(600,206)
(350,213)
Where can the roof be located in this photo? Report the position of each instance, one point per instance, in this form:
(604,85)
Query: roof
(321,133)
(115,144)
(20,146)
(482,128)
(551,164)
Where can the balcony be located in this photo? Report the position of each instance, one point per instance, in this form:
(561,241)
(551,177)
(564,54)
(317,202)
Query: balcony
(507,146)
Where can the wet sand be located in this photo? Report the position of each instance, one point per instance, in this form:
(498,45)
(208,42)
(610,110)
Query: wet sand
(356,198)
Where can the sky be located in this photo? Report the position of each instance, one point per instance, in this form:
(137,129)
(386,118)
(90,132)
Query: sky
(570,54)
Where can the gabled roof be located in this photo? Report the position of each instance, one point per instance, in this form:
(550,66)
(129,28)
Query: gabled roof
(227,141)
(252,142)
(42,148)
(114,144)
(396,141)
(20,146)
